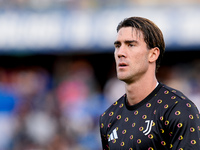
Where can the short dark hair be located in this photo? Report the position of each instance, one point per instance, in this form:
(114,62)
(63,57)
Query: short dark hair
(153,36)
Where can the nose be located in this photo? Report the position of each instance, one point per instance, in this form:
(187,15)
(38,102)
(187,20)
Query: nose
(121,51)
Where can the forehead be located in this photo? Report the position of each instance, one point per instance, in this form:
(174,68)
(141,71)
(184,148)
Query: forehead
(129,33)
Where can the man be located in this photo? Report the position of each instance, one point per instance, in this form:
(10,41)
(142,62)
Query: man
(150,115)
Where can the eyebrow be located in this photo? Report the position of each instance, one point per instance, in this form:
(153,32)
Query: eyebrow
(127,42)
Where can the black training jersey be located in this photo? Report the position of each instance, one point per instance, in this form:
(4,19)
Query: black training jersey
(164,120)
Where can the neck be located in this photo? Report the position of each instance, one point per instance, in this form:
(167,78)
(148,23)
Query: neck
(139,90)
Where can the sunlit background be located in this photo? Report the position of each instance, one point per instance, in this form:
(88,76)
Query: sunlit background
(57,70)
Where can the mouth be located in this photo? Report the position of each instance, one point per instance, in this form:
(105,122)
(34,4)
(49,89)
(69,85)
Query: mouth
(122,65)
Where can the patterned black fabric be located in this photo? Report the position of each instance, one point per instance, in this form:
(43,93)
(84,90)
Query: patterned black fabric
(165,119)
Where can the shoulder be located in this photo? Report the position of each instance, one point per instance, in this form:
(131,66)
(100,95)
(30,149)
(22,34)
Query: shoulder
(113,108)
(177,105)
(174,93)
(173,96)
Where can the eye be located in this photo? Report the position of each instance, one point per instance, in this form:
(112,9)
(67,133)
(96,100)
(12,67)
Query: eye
(130,45)
(117,45)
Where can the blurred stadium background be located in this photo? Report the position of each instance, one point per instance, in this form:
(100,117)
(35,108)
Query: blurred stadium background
(57,70)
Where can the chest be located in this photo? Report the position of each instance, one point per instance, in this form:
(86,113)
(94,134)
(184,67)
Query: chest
(138,129)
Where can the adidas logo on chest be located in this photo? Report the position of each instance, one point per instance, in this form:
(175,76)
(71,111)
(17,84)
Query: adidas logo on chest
(113,135)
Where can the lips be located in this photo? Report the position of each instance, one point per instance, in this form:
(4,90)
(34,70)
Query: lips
(122,64)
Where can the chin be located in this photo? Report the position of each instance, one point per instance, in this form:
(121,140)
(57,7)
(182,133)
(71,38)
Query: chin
(126,79)
(122,78)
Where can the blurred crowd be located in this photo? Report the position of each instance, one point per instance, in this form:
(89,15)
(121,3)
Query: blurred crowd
(44,111)
(60,110)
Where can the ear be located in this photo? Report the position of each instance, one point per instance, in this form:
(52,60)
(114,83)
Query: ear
(154,54)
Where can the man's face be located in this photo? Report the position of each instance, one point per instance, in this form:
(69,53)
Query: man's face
(131,55)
